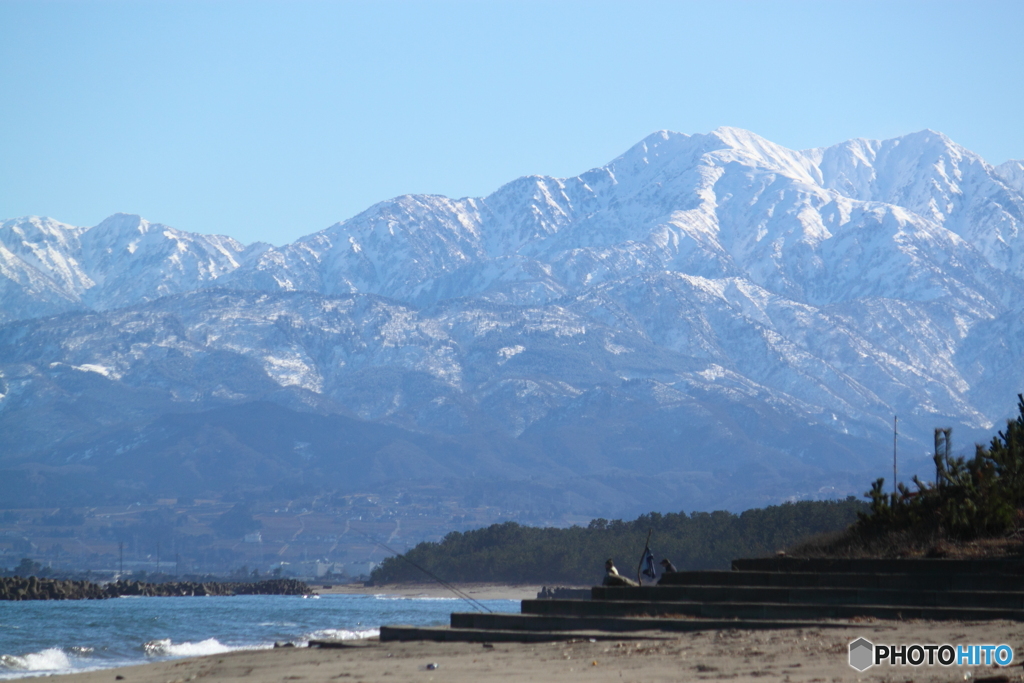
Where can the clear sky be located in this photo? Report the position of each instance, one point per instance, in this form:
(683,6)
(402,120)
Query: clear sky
(271,120)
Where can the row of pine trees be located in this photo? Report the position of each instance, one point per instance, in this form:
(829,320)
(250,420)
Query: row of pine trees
(981,497)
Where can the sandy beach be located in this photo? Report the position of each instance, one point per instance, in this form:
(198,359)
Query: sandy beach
(810,655)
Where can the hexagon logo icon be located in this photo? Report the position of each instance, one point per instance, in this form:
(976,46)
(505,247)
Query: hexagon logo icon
(862,654)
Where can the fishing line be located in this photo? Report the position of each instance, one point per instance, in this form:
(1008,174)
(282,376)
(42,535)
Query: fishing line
(475,603)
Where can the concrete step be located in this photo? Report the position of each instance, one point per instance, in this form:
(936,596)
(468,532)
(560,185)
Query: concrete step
(931,581)
(813,596)
(1014,567)
(445,634)
(758,610)
(551,623)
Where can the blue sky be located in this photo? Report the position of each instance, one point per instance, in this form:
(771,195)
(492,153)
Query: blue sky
(272,120)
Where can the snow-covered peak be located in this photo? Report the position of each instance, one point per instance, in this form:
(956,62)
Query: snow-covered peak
(131,259)
(929,175)
(664,154)
(37,236)
(924,172)
(660,157)
(45,244)
(37,229)
(124,223)
(752,150)
(129,233)
(728,202)
(1012,172)
(725,203)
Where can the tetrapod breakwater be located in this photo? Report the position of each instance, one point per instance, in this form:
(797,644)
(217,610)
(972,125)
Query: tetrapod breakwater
(35,588)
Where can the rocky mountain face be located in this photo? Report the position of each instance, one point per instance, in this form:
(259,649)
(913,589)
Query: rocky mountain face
(708,321)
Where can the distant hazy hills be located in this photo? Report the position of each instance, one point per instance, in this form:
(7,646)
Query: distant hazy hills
(708,321)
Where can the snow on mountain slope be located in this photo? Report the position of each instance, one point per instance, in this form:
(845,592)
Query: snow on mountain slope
(850,362)
(39,274)
(803,224)
(930,175)
(123,260)
(470,370)
(1012,173)
(48,247)
(728,203)
(708,279)
(133,260)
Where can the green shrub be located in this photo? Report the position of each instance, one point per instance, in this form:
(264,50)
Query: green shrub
(976,498)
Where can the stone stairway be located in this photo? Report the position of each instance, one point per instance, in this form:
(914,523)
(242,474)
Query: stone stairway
(769,593)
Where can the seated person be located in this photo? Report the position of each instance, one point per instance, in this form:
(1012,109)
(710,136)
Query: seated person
(612,577)
(668,567)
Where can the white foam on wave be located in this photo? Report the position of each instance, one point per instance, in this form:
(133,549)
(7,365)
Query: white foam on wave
(50,659)
(166,648)
(343,634)
(383,596)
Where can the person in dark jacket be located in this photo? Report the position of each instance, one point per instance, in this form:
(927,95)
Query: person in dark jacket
(668,567)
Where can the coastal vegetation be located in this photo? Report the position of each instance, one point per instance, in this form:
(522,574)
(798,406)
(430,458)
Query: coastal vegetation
(512,553)
(974,507)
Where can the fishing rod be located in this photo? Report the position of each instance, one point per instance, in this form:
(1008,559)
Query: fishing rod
(473,602)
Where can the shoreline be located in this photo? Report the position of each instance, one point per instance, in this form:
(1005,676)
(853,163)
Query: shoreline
(39,655)
(477,591)
(791,656)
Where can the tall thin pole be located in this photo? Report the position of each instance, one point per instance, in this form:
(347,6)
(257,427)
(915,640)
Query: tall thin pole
(639,567)
(895,432)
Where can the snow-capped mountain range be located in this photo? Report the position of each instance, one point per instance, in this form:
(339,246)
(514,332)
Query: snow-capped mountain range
(706,318)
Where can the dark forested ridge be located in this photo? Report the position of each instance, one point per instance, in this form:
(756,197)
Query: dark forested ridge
(511,553)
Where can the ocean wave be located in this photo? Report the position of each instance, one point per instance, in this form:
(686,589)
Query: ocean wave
(50,659)
(384,596)
(342,634)
(165,648)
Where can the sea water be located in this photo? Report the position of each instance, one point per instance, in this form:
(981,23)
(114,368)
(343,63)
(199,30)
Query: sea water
(47,636)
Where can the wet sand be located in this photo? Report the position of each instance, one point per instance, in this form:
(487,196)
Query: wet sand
(809,655)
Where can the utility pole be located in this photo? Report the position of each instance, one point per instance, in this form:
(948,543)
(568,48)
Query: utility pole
(895,432)
(942,439)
